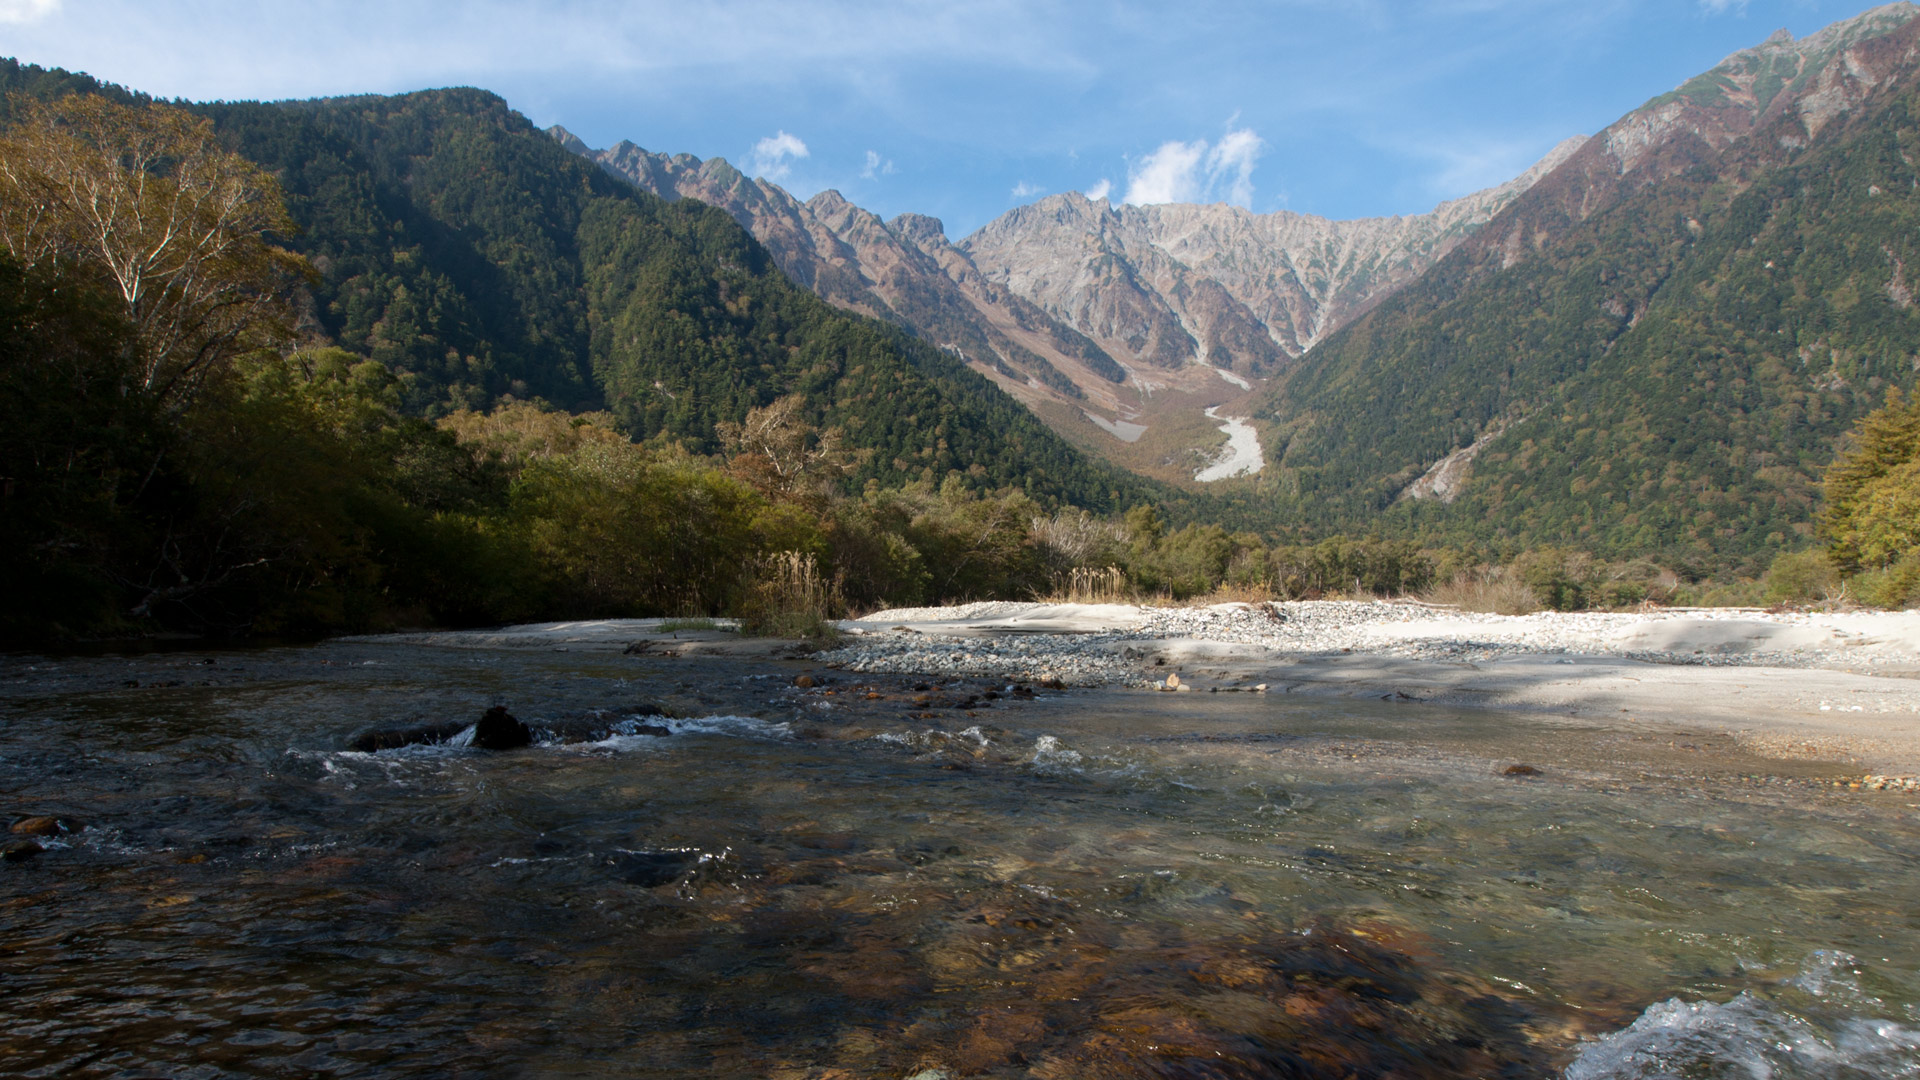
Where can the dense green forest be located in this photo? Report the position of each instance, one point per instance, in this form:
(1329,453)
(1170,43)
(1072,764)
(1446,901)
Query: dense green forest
(1666,378)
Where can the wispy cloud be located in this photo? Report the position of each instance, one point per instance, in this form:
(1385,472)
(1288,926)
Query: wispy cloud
(772,156)
(1024,190)
(1198,171)
(876,166)
(1721,7)
(1101,190)
(27,11)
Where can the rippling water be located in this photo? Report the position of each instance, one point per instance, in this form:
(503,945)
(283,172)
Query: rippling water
(798,884)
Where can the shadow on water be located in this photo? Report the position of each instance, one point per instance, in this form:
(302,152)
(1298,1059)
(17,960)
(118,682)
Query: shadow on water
(868,878)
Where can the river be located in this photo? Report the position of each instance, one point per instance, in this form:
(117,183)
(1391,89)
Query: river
(878,877)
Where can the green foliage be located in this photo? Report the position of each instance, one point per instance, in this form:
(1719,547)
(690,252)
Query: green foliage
(1340,565)
(77,452)
(1802,577)
(1189,561)
(1666,377)
(973,546)
(622,531)
(1894,586)
(1872,514)
(1561,580)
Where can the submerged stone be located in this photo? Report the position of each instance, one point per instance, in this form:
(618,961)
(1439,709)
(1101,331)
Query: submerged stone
(648,869)
(42,825)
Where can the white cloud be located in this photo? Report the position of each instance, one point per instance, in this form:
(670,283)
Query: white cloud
(1198,172)
(27,11)
(1169,174)
(1721,7)
(1024,190)
(876,166)
(1101,190)
(771,155)
(1233,161)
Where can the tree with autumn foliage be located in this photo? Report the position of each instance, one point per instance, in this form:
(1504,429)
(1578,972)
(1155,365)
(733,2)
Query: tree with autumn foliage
(144,201)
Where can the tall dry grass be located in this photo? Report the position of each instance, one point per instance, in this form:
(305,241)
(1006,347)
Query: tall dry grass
(1494,590)
(1090,585)
(789,597)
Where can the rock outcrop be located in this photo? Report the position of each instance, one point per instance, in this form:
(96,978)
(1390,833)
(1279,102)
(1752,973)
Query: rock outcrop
(1173,283)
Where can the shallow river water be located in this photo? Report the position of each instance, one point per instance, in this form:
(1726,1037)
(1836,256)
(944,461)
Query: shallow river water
(798,883)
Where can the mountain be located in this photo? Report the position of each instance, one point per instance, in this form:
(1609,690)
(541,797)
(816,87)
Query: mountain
(1120,326)
(460,246)
(1174,283)
(1657,346)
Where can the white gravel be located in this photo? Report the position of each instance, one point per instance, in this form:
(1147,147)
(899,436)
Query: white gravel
(1110,643)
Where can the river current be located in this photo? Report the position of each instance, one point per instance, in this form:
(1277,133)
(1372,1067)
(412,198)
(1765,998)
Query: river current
(884,877)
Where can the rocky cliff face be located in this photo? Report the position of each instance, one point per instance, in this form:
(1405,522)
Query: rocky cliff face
(1170,284)
(903,271)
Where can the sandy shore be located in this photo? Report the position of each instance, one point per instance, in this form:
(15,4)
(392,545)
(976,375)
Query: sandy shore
(1829,686)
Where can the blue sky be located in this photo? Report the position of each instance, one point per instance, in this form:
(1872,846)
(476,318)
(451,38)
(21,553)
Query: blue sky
(1344,108)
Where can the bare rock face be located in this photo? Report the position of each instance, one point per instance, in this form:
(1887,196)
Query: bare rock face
(1172,283)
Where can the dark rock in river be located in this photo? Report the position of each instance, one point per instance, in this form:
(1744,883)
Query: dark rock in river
(36,826)
(20,851)
(498,730)
(1521,770)
(650,868)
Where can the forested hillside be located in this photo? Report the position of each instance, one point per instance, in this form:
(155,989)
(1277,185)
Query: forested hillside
(463,248)
(1667,376)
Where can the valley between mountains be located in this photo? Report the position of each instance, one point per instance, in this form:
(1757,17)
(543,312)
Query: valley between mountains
(1126,328)
(1564,354)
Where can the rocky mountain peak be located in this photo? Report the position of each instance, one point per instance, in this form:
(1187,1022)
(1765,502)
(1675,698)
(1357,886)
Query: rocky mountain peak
(568,140)
(929,234)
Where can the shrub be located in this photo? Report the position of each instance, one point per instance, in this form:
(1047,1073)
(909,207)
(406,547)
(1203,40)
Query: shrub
(1801,577)
(1894,587)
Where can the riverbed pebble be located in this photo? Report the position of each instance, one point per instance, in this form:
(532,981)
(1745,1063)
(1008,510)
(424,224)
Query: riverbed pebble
(1320,627)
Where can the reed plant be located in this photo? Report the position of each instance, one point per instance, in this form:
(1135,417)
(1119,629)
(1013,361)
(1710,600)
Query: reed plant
(787,596)
(1495,590)
(1090,585)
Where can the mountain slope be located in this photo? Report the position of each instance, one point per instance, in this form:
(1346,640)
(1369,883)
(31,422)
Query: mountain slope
(902,271)
(458,244)
(1657,347)
(1112,325)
